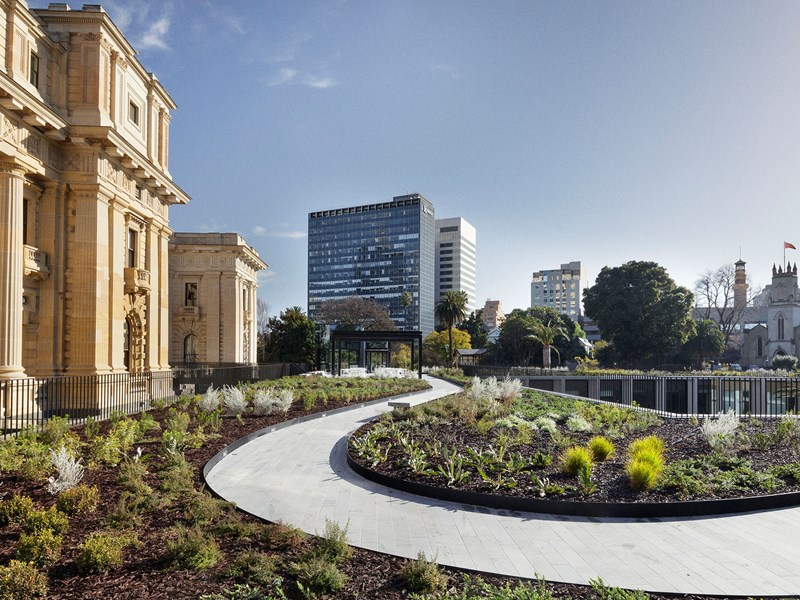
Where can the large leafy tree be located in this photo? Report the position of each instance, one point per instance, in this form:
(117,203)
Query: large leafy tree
(640,310)
(707,342)
(451,310)
(437,345)
(353,312)
(291,337)
(516,346)
(476,329)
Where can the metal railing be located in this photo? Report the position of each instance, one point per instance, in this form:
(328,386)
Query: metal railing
(31,401)
(681,395)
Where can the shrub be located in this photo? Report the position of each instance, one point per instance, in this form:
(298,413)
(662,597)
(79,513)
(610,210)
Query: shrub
(201,508)
(191,549)
(253,567)
(70,471)
(333,543)
(52,519)
(316,575)
(785,361)
(271,401)
(234,400)
(651,442)
(177,420)
(245,592)
(423,575)
(614,593)
(210,401)
(643,474)
(103,551)
(78,500)
(146,424)
(601,448)
(720,433)
(177,476)
(545,424)
(578,424)
(15,510)
(42,548)
(281,536)
(574,458)
(22,581)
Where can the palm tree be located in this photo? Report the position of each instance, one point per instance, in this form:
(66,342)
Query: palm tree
(451,310)
(546,335)
(405,301)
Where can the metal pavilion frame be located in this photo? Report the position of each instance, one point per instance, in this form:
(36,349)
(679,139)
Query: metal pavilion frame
(412,337)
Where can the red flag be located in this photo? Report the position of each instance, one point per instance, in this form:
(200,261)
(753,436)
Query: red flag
(788,245)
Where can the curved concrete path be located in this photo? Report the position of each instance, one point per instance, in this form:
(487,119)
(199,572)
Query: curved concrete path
(299,475)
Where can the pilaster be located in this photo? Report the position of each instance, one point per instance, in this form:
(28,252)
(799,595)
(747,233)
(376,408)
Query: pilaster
(11,257)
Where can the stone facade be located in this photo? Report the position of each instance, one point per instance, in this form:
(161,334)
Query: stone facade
(212,290)
(84,196)
(774,329)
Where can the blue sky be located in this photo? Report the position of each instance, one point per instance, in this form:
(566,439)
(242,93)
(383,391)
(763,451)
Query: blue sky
(594,131)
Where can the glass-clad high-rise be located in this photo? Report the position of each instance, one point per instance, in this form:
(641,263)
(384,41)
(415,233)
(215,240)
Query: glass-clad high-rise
(375,251)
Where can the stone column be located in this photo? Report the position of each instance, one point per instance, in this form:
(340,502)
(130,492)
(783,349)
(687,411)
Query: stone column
(11,257)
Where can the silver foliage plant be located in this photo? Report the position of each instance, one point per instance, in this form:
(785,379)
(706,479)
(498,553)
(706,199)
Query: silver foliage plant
(491,389)
(271,401)
(720,432)
(210,401)
(233,398)
(70,471)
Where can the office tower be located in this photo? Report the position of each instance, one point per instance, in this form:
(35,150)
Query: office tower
(456,258)
(375,251)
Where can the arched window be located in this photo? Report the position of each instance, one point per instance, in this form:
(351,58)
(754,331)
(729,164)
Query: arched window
(780,327)
(760,347)
(190,348)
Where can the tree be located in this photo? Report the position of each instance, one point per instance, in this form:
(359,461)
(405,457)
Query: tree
(262,328)
(353,312)
(439,346)
(406,300)
(546,335)
(517,347)
(707,342)
(451,310)
(476,329)
(640,310)
(291,337)
(714,291)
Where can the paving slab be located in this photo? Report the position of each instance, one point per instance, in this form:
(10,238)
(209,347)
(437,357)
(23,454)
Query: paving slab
(299,475)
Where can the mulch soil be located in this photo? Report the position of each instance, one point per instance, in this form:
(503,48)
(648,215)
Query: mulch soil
(144,573)
(683,441)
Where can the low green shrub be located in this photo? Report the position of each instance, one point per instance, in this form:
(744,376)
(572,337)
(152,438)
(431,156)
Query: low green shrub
(574,458)
(605,592)
(333,543)
(245,592)
(22,581)
(317,575)
(651,443)
(201,508)
(254,567)
(191,549)
(51,518)
(177,476)
(601,448)
(102,552)
(42,548)
(15,510)
(80,499)
(423,575)
(281,536)
(643,473)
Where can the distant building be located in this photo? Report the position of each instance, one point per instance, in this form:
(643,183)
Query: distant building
(212,297)
(559,289)
(492,314)
(456,259)
(773,329)
(375,251)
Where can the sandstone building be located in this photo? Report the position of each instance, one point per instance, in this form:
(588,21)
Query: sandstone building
(212,291)
(85,192)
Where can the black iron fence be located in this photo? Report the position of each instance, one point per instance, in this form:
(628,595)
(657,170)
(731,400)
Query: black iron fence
(197,378)
(31,401)
(680,395)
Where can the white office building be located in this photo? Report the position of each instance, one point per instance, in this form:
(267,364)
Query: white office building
(456,259)
(560,289)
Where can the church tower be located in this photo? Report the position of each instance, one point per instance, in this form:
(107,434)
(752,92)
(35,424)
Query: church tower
(740,287)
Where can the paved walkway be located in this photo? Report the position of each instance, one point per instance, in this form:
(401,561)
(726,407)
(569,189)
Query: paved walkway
(299,475)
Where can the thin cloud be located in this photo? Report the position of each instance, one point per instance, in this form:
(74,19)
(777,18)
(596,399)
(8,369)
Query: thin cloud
(446,69)
(259,231)
(320,83)
(266,276)
(153,38)
(285,75)
(292,235)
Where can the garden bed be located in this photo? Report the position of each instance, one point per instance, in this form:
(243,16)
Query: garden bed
(511,454)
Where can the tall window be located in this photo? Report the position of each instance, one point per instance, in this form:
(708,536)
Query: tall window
(133,242)
(133,112)
(33,70)
(190,294)
(780,327)
(190,348)
(126,345)
(760,348)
